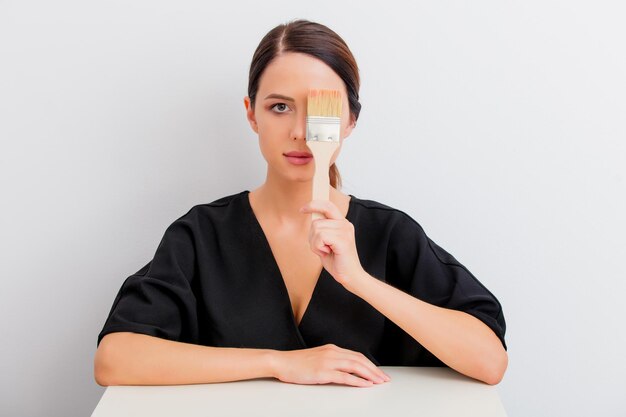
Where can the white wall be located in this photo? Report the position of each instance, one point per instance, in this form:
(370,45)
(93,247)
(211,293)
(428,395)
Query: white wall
(499,126)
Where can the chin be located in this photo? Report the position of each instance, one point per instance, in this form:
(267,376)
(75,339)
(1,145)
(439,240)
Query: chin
(300,178)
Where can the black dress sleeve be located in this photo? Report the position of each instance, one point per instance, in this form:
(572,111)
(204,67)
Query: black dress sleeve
(158,299)
(418,266)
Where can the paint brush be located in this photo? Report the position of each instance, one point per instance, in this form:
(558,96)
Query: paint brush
(323,126)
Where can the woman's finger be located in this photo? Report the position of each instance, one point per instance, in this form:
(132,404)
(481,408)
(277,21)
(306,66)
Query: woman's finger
(356,367)
(366,362)
(326,239)
(321,245)
(337,352)
(328,224)
(359,357)
(327,208)
(344,378)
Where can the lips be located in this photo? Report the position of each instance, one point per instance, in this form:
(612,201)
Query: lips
(296,154)
(299,158)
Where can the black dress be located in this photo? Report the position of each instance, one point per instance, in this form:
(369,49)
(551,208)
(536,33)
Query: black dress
(214,281)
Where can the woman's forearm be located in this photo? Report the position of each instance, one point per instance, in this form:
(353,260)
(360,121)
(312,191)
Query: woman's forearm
(458,339)
(136,359)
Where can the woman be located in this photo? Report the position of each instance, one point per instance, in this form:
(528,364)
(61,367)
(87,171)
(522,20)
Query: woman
(248,286)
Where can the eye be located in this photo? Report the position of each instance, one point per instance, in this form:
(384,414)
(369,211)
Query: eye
(280,108)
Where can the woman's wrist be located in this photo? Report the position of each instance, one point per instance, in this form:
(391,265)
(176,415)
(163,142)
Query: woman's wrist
(356,284)
(273,362)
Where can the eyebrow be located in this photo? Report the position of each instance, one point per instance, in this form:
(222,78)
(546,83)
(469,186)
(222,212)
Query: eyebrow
(280,96)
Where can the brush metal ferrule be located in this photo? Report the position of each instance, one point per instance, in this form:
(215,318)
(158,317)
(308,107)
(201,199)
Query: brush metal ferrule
(323,129)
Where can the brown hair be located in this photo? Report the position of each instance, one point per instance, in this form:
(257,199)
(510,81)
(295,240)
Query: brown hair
(318,41)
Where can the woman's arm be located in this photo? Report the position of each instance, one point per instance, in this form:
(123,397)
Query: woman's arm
(458,339)
(136,359)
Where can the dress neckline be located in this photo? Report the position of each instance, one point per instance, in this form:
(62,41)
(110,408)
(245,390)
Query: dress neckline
(260,233)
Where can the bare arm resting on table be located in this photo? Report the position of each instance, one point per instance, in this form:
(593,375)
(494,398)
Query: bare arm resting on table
(458,339)
(135,359)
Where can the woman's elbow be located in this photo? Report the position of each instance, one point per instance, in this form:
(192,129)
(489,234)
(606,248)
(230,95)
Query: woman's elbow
(103,369)
(494,370)
(100,372)
(101,378)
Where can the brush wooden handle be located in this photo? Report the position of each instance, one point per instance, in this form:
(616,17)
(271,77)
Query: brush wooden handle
(322,152)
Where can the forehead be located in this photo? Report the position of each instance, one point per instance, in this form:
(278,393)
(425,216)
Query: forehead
(296,73)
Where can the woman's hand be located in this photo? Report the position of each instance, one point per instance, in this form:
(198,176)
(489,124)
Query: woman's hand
(327,364)
(332,239)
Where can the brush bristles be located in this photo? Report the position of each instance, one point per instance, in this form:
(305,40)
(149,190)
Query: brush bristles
(325,103)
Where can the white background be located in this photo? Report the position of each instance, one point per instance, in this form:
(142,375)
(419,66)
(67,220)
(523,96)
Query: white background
(498,126)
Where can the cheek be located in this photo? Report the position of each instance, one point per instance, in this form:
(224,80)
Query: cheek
(274,131)
(270,137)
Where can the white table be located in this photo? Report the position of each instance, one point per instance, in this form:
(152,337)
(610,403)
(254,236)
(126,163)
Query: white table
(424,392)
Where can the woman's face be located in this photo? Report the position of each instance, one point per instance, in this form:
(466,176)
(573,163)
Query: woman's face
(279,113)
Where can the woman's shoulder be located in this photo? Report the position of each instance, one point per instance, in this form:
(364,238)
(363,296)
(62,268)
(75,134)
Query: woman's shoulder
(227,202)
(221,210)
(380,212)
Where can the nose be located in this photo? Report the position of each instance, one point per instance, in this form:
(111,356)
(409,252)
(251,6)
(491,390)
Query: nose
(299,127)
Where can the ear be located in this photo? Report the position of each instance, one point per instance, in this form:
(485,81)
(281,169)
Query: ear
(348,130)
(250,114)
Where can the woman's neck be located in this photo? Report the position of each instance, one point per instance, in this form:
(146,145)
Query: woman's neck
(280,201)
